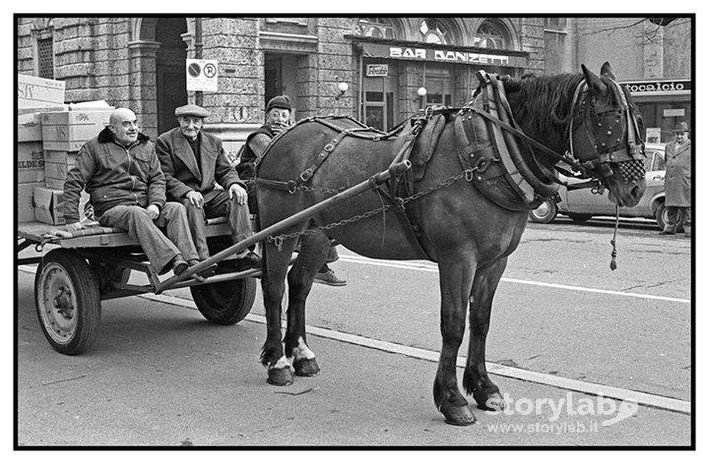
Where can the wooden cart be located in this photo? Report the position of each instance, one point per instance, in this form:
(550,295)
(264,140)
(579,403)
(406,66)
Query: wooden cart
(88,266)
(83,268)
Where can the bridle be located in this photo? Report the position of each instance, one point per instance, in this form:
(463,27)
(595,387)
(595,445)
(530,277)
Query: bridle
(603,135)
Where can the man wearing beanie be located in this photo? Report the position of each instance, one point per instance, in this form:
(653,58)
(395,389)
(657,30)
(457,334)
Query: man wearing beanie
(193,162)
(277,119)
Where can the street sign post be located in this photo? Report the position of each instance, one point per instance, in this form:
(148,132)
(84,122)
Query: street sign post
(202,75)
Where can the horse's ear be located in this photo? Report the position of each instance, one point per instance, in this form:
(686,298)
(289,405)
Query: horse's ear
(606,71)
(596,85)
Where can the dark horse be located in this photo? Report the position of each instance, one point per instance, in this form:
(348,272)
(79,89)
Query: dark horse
(467,234)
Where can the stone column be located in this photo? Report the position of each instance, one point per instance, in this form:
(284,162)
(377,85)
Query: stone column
(143,83)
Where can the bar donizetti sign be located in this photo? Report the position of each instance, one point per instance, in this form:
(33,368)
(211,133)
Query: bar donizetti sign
(460,55)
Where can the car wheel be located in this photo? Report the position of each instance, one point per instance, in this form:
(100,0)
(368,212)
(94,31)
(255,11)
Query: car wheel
(662,218)
(545,213)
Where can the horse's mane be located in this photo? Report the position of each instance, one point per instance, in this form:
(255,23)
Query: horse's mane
(541,104)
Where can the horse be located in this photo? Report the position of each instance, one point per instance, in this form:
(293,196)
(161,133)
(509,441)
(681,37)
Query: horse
(454,215)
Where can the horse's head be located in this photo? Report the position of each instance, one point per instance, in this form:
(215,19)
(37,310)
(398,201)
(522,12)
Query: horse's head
(606,136)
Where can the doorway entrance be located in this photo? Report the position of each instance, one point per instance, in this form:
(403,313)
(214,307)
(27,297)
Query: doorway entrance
(171,71)
(379,99)
(280,77)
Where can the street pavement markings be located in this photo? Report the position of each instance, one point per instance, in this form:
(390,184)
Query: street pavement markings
(642,398)
(426,267)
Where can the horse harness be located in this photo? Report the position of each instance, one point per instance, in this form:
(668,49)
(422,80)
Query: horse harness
(491,148)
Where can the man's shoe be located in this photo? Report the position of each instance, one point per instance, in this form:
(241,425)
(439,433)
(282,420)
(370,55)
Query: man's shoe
(252,260)
(329,278)
(179,266)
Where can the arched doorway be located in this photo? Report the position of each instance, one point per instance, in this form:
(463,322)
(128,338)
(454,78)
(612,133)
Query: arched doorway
(170,70)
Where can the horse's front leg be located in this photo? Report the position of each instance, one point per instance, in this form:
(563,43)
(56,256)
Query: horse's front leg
(475,380)
(276,264)
(456,275)
(312,255)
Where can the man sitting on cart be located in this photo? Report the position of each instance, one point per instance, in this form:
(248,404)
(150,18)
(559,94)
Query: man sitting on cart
(120,170)
(193,162)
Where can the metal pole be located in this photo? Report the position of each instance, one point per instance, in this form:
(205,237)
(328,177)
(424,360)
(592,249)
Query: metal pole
(198,48)
(284,224)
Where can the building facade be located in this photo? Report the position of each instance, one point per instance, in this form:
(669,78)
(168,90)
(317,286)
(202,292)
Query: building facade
(378,70)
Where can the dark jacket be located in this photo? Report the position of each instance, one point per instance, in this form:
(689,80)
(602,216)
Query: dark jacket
(248,159)
(114,175)
(183,174)
(677,180)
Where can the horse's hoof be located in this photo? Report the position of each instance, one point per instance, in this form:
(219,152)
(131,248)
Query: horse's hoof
(489,402)
(280,376)
(458,416)
(306,367)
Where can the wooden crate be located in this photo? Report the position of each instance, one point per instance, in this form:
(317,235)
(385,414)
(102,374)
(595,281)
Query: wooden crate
(35,92)
(30,162)
(68,131)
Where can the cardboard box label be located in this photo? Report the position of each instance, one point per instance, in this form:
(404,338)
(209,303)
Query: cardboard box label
(30,162)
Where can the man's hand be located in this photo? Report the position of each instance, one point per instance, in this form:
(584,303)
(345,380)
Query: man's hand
(238,191)
(196,198)
(153,211)
(74,226)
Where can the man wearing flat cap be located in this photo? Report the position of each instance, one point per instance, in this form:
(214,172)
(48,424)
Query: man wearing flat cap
(193,162)
(277,119)
(677,181)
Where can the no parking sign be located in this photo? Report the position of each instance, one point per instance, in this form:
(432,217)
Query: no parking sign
(201,75)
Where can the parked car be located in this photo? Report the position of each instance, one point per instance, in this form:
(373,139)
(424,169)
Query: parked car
(582,204)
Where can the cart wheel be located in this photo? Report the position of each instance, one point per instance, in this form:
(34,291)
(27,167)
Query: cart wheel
(67,298)
(225,303)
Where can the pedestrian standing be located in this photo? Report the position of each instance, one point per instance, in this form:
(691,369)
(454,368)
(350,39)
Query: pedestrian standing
(678,181)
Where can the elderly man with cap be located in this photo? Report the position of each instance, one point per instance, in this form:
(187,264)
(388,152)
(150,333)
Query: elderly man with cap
(121,172)
(677,181)
(193,162)
(278,119)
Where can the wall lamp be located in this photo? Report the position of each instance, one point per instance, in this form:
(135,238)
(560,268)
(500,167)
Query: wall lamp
(342,89)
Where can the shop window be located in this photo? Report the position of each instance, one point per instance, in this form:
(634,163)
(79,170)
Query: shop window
(492,34)
(45,57)
(375,27)
(439,90)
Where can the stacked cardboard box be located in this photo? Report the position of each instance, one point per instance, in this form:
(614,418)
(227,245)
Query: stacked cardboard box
(34,95)
(49,135)
(63,135)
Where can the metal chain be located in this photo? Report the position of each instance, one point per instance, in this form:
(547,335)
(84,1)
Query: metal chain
(278,240)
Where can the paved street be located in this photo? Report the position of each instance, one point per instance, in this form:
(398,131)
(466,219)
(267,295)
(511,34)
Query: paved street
(159,374)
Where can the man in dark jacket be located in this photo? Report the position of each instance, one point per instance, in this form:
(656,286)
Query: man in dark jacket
(278,119)
(193,162)
(121,172)
(677,182)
